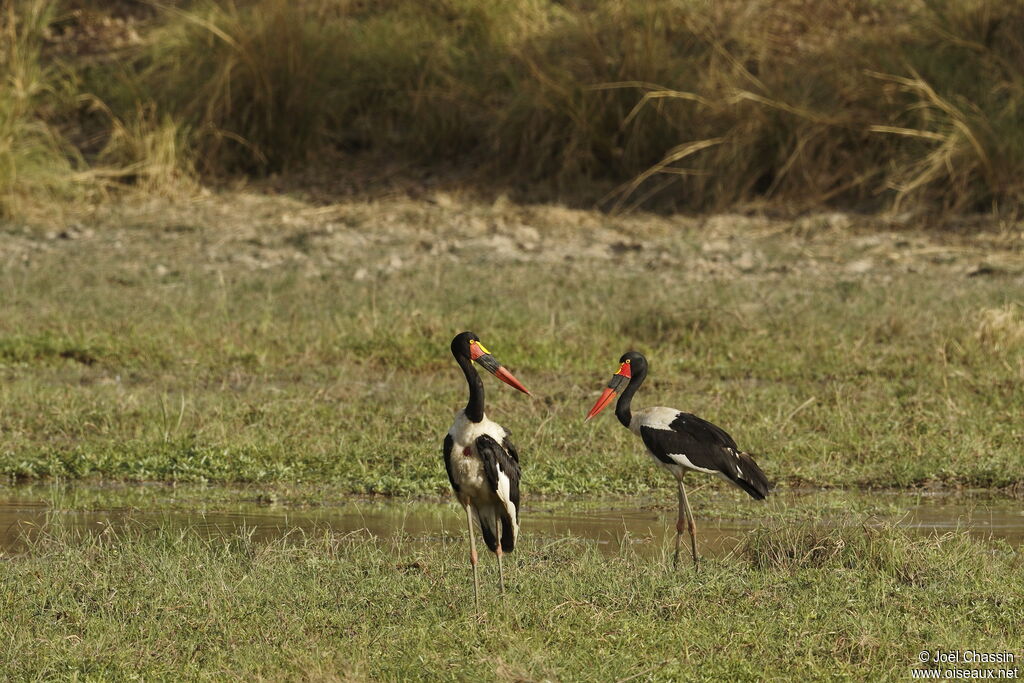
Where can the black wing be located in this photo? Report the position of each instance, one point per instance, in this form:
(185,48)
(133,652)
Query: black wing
(708,447)
(506,444)
(449,443)
(494,458)
(703,443)
(499,460)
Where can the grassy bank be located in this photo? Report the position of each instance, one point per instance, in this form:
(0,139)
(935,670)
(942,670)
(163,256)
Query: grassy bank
(684,105)
(858,602)
(255,344)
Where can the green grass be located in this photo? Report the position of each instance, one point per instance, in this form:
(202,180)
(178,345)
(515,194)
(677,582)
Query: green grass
(147,362)
(853,602)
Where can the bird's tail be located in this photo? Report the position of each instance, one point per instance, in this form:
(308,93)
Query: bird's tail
(496,523)
(750,478)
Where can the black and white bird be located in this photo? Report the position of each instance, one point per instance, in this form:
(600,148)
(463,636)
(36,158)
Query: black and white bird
(679,442)
(482,463)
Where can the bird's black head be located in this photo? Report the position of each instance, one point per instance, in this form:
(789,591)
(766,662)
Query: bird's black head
(461,344)
(635,359)
(631,364)
(467,345)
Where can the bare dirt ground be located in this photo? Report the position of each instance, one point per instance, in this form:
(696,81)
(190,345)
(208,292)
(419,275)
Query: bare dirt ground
(376,238)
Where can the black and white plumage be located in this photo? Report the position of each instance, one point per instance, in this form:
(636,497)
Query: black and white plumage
(482,463)
(485,474)
(679,442)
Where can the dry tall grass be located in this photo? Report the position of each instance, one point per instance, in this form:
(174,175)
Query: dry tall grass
(663,104)
(1001,328)
(34,161)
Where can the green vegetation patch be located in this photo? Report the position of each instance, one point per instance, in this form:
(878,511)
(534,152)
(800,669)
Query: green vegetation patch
(851,602)
(168,368)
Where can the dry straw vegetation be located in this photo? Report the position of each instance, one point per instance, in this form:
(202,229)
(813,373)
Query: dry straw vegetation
(664,104)
(1001,328)
(34,158)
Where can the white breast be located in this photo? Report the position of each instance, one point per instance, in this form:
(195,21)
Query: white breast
(468,470)
(658,417)
(465,433)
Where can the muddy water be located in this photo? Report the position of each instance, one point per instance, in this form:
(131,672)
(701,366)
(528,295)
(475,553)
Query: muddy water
(644,526)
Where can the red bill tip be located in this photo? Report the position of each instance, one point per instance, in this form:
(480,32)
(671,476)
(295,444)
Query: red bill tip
(509,379)
(606,397)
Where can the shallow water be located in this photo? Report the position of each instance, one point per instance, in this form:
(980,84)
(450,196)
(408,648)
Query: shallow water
(645,526)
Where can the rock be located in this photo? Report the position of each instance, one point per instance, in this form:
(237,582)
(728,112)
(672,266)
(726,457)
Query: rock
(871,241)
(74,232)
(733,223)
(860,266)
(982,269)
(838,221)
(475,225)
(443,199)
(716,247)
(747,262)
(527,237)
(621,247)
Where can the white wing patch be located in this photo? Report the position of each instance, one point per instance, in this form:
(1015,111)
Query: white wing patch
(504,495)
(658,417)
(685,462)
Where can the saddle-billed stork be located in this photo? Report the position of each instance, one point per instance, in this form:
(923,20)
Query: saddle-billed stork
(679,442)
(482,463)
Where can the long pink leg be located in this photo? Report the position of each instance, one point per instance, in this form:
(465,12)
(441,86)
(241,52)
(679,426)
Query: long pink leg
(499,552)
(679,535)
(473,558)
(684,507)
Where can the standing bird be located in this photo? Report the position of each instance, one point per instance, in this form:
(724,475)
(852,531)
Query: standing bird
(679,442)
(482,463)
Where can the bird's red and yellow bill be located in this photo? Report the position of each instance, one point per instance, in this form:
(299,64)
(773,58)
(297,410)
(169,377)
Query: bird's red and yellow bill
(476,349)
(621,377)
(483,357)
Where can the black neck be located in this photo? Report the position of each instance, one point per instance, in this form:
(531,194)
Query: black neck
(622,406)
(475,406)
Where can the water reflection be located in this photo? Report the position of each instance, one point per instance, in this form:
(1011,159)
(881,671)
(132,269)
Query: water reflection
(643,526)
